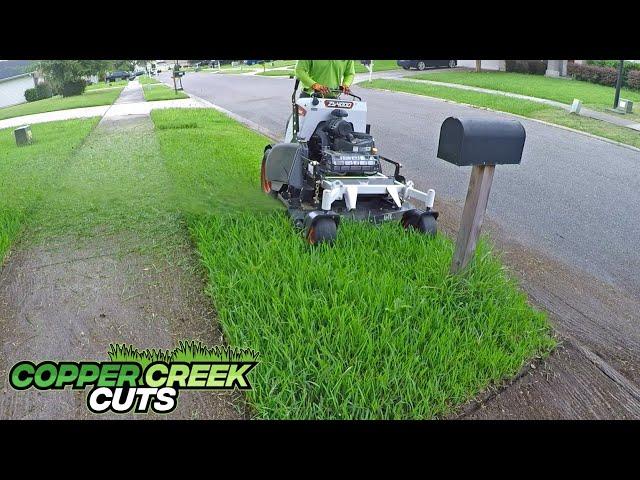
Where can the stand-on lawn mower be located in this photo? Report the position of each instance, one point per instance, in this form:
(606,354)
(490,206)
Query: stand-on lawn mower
(328,167)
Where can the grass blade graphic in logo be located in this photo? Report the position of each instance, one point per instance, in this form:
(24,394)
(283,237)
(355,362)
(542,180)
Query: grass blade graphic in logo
(136,380)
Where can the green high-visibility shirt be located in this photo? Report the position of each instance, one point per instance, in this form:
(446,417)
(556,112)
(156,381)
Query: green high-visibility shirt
(331,73)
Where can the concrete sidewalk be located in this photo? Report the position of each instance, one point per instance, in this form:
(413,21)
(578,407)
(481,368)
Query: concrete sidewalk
(128,103)
(585,112)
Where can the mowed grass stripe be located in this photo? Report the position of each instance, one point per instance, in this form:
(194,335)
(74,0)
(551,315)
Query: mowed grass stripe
(27,173)
(373,327)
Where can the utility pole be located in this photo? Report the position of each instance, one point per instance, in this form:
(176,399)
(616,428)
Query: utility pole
(616,100)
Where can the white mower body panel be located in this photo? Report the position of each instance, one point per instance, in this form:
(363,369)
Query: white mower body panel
(348,189)
(314,114)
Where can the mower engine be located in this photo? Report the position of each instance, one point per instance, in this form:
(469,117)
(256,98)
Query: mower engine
(340,150)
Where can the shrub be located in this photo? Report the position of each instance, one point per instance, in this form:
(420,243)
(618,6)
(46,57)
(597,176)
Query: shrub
(593,73)
(31,95)
(633,79)
(536,67)
(628,66)
(73,87)
(44,90)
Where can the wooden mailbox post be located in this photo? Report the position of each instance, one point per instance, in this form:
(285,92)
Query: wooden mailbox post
(482,144)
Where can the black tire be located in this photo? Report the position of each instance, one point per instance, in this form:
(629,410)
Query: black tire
(427,225)
(264,183)
(453,63)
(423,223)
(421,65)
(323,230)
(405,67)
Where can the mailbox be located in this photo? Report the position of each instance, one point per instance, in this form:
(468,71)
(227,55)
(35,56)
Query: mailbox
(481,141)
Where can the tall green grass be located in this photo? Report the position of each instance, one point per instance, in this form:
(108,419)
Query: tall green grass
(373,327)
(186,351)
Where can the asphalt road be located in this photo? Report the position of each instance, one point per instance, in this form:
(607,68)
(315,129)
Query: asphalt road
(573,197)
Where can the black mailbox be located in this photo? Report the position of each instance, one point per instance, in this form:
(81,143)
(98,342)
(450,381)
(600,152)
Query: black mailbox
(481,141)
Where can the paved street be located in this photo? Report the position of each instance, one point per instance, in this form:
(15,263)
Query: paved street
(574,197)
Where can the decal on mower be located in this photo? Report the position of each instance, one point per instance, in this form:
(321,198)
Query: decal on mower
(337,104)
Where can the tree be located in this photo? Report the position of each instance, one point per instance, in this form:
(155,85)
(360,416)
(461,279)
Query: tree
(63,73)
(478,66)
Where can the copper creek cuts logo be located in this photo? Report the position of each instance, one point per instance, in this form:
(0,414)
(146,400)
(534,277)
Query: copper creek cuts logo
(139,380)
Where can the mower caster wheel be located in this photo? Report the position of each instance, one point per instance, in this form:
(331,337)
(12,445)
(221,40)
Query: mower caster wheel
(423,222)
(323,230)
(427,225)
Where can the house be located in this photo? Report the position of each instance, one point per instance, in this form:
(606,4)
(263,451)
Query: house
(554,68)
(12,89)
(14,81)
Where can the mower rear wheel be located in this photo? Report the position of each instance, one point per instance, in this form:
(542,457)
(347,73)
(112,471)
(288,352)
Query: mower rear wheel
(266,184)
(323,230)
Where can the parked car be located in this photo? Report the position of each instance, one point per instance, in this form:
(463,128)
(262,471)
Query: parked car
(135,74)
(423,64)
(117,75)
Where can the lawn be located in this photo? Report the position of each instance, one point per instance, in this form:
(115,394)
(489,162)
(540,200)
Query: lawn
(276,73)
(239,71)
(378,66)
(513,105)
(281,63)
(26,173)
(102,85)
(161,91)
(147,80)
(561,90)
(373,327)
(91,98)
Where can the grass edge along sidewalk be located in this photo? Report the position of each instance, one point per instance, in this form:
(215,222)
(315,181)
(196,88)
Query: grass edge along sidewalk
(26,173)
(516,106)
(373,327)
(159,91)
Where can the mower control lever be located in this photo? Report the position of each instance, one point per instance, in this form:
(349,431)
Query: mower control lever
(338,91)
(398,165)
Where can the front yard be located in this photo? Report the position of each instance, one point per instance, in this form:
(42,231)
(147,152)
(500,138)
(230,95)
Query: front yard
(276,73)
(373,327)
(160,91)
(378,66)
(560,90)
(517,106)
(27,173)
(91,98)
